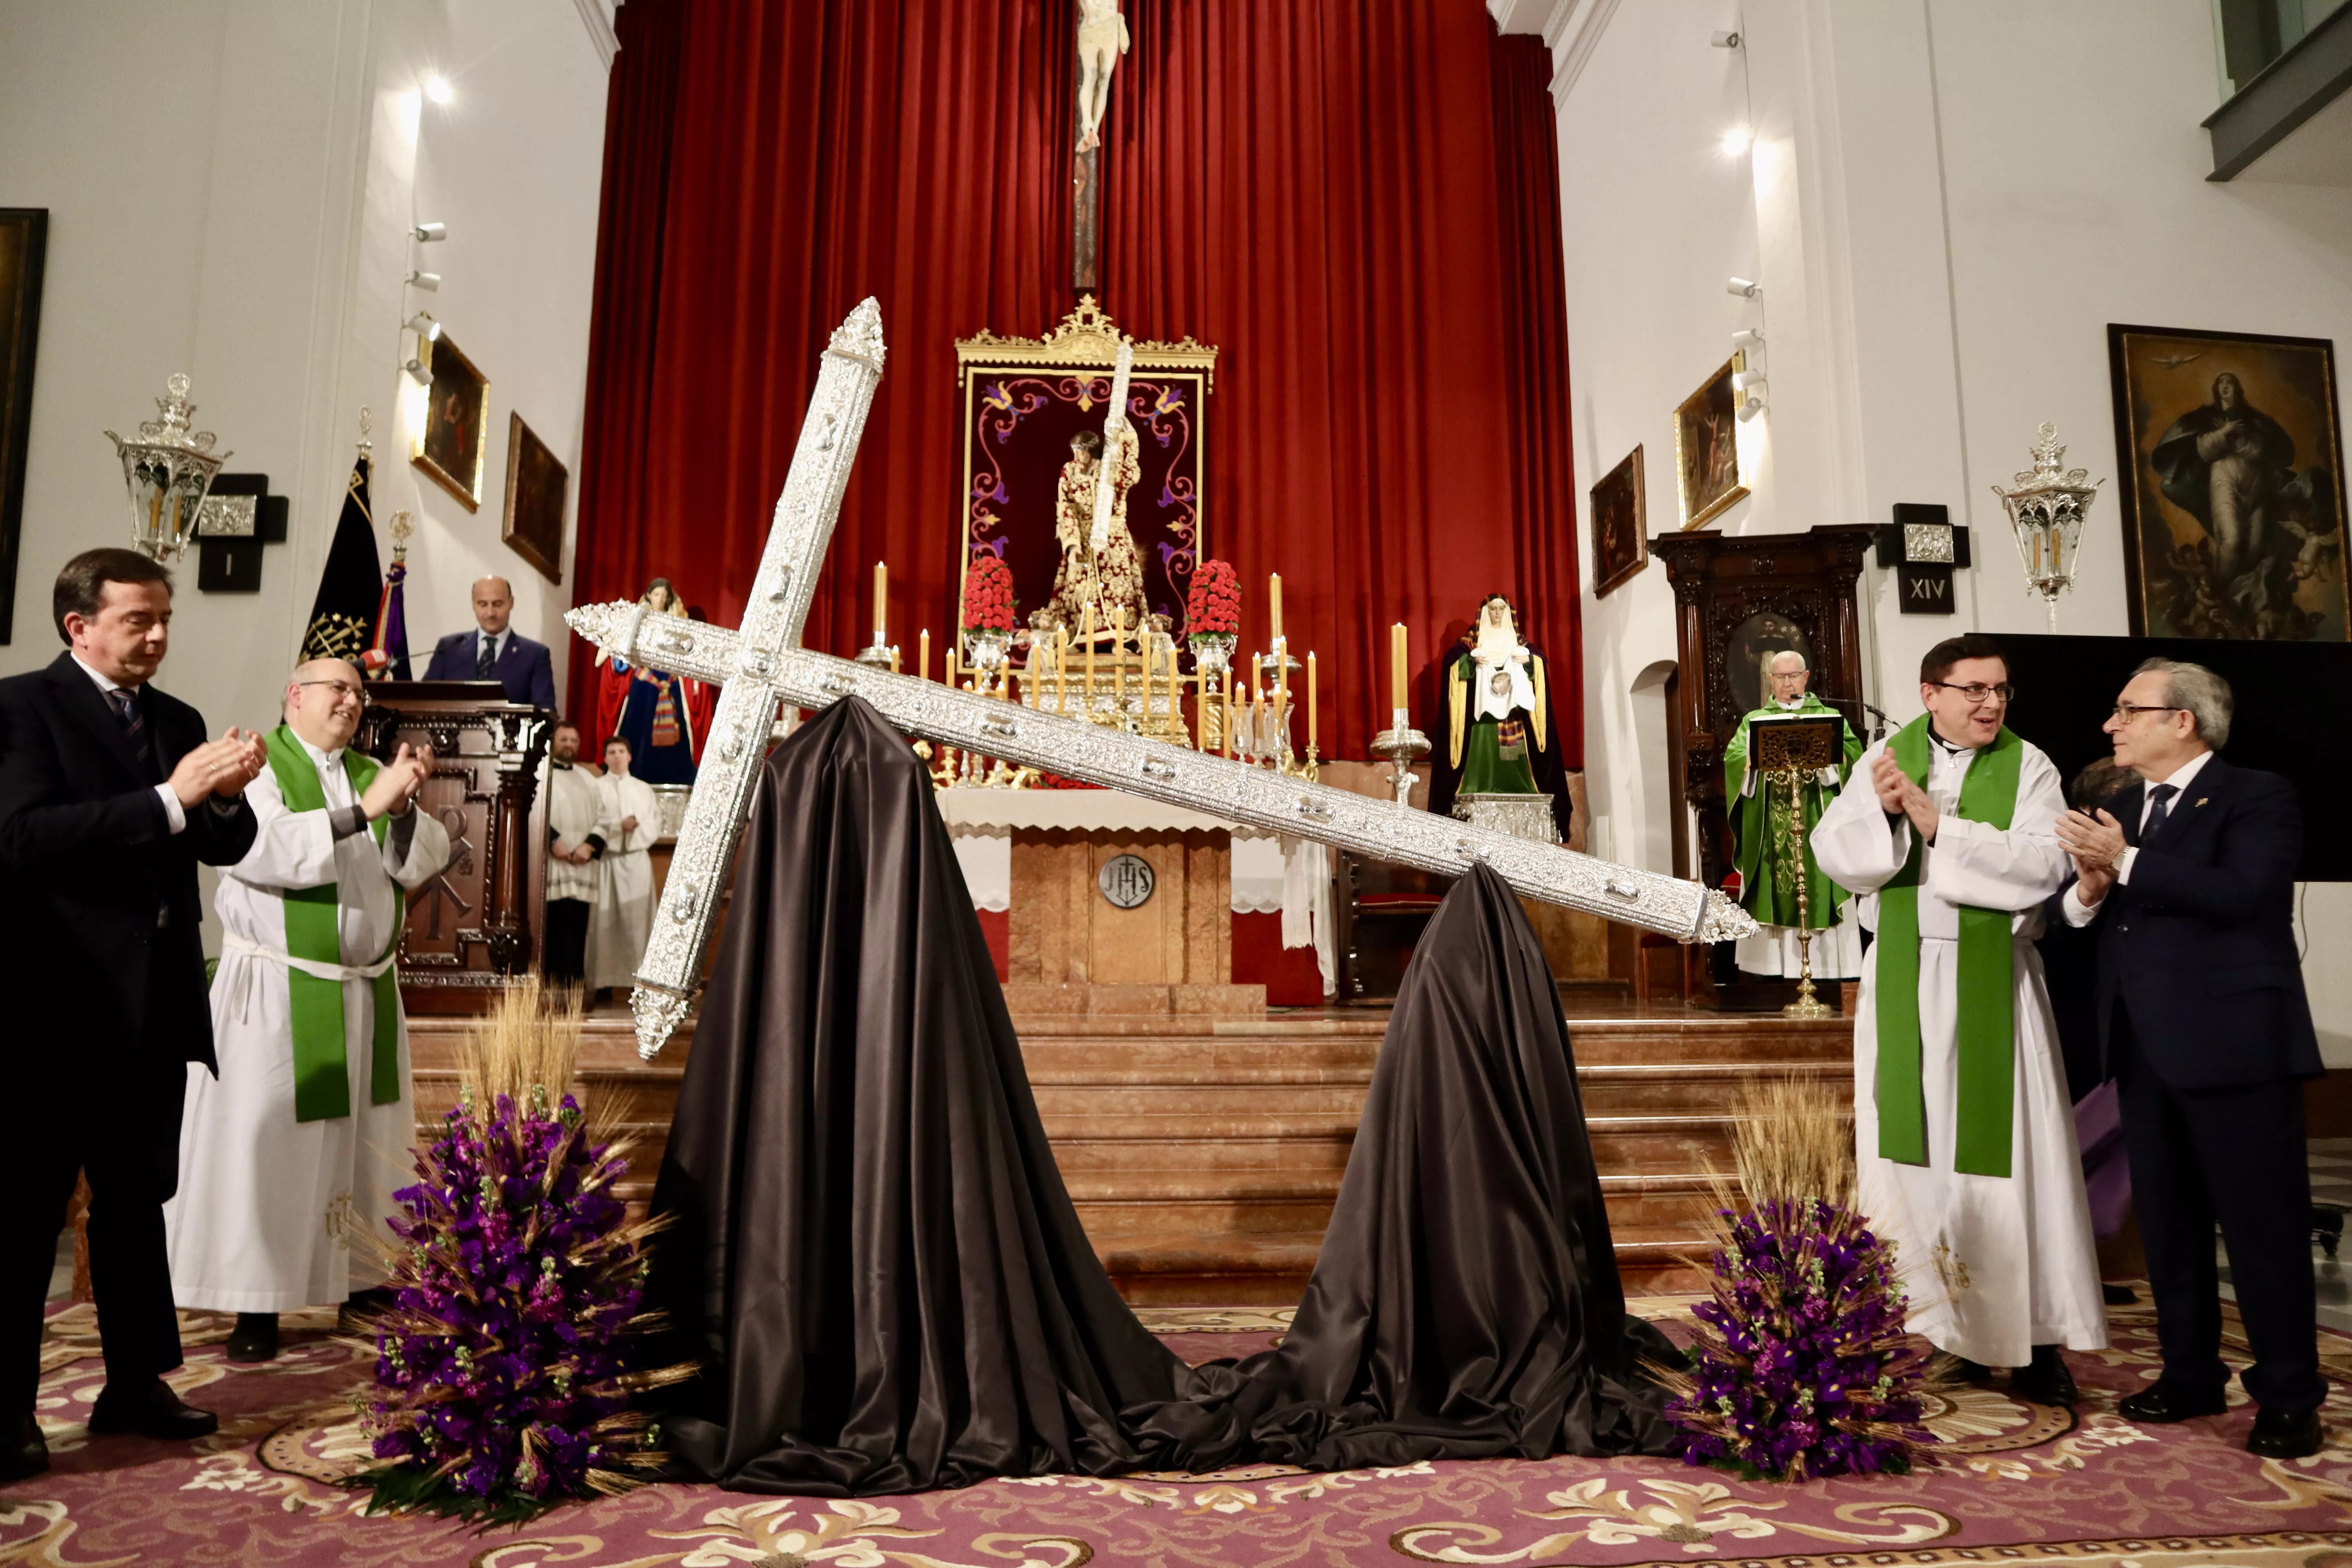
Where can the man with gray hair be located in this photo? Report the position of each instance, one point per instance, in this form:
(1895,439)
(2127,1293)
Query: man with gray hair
(2189,873)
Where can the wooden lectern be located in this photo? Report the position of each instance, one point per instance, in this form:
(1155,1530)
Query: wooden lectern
(477,926)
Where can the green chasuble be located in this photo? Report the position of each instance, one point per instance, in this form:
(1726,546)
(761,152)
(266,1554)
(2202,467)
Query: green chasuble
(1766,888)
(314,936)
(1987,1046)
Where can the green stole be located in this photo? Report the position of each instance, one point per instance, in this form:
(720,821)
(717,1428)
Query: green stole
(314,934)
(1987,1001)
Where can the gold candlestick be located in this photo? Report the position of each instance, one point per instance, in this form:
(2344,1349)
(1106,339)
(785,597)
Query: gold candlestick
(1087,634)
(1062,671)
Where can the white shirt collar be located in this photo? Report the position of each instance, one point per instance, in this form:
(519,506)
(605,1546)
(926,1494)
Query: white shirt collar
(2184,772)
(324,760)
(1789,704)
(104,683)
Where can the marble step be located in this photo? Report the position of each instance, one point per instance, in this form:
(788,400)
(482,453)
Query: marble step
(1271,1268)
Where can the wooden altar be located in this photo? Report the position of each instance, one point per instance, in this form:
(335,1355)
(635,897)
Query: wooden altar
(1737,603)
(477,926)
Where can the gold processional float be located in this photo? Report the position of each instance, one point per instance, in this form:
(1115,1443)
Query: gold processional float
(761,665)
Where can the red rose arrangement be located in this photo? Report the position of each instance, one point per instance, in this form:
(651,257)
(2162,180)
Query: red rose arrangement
(987,595)
(1214,605)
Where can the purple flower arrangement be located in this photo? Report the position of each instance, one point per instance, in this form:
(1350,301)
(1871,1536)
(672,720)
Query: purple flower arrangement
(506,1365)
(1800,1367)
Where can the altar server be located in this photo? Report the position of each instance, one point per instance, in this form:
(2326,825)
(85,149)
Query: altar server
(299,1144)
(1962,1123)
(573,847)
(629,820)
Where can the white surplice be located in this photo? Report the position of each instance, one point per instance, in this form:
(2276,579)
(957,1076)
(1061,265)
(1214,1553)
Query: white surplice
(262,1219)
(624,918)
(573,809)
(1993,1264)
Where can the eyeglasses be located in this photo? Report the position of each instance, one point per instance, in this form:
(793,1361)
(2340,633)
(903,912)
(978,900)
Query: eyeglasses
(2125,712)
(1977,696)
(343,688)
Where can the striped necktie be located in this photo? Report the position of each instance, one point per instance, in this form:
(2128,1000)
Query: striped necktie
(486,659)
(135,727)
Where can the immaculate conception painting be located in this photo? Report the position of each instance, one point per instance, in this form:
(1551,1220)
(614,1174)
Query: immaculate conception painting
(2233,503)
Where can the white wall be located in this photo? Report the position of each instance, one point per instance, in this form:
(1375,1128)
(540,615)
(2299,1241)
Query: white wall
(1943,236)
(230,185)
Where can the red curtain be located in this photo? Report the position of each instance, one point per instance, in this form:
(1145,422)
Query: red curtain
(1358,205)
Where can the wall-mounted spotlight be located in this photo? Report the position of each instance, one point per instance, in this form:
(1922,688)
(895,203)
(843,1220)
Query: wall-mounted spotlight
(1720,40)
(437,89)
(1746,288)
(424,326)
(429,231)
(1742,380)
(431,282)
(1748,386)
(1737,141)
(1748,338)
(423,377)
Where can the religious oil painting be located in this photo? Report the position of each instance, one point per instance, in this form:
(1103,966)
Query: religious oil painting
(1619,527)
(23,242)
(1707,448)
(448,442)
(2232,450)
(536,484)
(1027,404)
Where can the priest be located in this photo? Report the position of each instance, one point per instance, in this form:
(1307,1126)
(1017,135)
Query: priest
(1760,830)
(296,1148)
(1964,1132)
(573,844)
(629,820)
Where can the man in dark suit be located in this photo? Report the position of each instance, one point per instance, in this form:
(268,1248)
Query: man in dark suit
(493,651)
(2189,874)
(110,794)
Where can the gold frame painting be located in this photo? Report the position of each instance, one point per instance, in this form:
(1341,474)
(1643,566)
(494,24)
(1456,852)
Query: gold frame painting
(537,482)
(1621,545)
(2232,451)
(1708,475)
(451,437)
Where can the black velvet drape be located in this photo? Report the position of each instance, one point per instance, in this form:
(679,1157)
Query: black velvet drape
(1466,1303)
(874,1257)
(876,1263)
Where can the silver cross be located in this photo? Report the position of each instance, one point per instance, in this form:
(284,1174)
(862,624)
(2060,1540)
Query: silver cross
(763,663)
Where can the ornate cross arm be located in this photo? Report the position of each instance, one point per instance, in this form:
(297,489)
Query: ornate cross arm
(1219,786)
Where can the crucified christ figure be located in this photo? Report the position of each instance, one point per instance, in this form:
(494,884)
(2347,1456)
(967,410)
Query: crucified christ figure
(1102,38)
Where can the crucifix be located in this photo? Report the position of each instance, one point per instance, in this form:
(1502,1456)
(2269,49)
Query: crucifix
(1102,39)
(762,664)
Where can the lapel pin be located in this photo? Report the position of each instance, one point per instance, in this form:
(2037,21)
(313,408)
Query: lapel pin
(2201,799)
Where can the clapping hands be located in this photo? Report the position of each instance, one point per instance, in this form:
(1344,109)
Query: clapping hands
(396,783)
(1898,796)
(2096,843)
(221,767)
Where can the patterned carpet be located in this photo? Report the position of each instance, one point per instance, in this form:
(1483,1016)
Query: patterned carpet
(2017,1482)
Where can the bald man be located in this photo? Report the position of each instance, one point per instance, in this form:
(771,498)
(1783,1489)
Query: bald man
(495,651)
(299,1144)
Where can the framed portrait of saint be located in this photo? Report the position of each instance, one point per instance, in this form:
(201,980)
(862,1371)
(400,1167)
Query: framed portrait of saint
(536,483)
(1619,534)
(1707,448)
(2232,452)
(457,424)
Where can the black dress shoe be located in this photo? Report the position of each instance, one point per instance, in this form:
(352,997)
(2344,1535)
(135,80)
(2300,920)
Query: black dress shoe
(1974,1373)
(255,1338)
(2285,1434)
(153,1411)
(21,1452)
(2118,1295)
(2161,1403)
(2047,1380)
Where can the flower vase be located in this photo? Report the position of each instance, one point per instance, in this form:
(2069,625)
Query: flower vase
(1212,652)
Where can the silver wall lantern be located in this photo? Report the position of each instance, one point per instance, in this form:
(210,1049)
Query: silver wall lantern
(2046,511)
(168,469)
